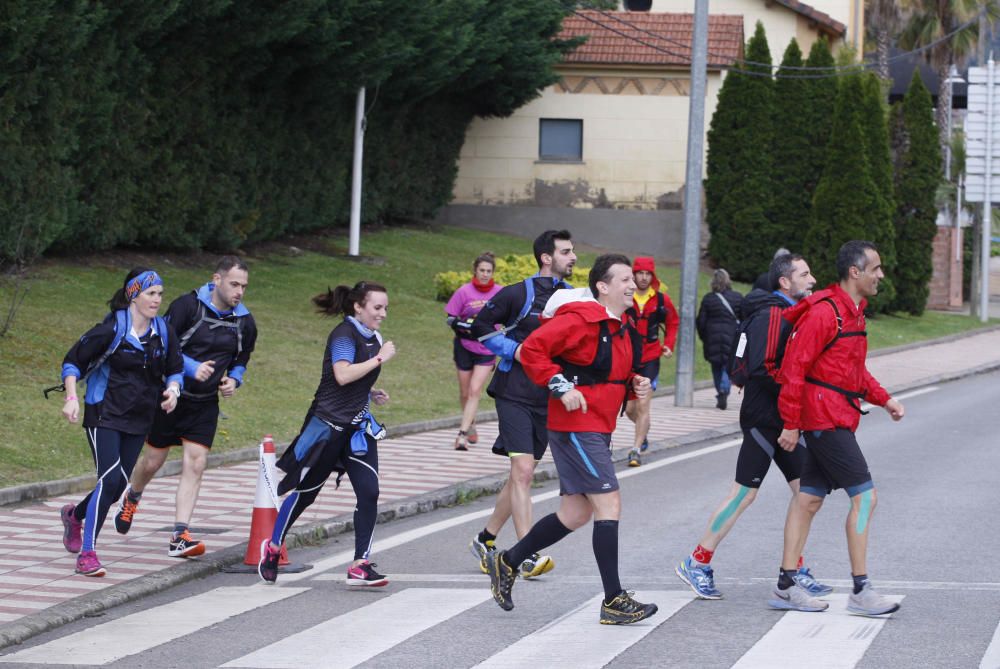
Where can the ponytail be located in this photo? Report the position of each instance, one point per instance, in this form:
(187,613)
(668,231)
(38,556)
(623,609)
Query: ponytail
(119,300)
(341,300)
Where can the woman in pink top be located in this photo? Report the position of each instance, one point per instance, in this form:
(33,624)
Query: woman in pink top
(473,361)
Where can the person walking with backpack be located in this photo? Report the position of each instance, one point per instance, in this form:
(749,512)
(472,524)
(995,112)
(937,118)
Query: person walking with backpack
(216,335)
(760,346)
(823,380)
(716,322)
(583,357)
(521,405)
(131,363)
(652,313)
(473,361)
(339,433)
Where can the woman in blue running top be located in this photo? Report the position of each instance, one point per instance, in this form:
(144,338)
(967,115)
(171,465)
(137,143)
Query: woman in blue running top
(339,432)
(125,360)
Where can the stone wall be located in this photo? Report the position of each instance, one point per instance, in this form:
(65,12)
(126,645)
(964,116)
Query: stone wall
(946,282)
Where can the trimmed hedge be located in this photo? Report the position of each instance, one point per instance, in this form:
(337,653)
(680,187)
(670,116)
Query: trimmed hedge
(510,269)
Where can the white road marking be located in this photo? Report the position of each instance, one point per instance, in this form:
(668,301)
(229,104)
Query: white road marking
(833,639)
(902,396)
(577,641)
(991,660)
(327,645)
(138,632)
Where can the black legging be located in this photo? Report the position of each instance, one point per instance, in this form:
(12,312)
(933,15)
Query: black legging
(362,470)
(115,454)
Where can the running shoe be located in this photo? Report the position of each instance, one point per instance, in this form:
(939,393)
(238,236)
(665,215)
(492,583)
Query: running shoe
(814,587)
(184,545)
(481,551)
(633,458)
(645,445)
(127,509)
(502,579)
(536,565)
(461,441)
(870,603)
(72,529)
(796,598)
(88,564)
(472,436)
(268,565)
(365,576)
(624,610)
(699,579)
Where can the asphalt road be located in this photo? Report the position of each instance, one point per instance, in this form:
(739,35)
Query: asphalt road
(934,539)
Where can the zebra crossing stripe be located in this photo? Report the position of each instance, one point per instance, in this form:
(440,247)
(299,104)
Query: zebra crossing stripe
(833,639)
(411,611)
(991,660)
(577,641)
(138,632)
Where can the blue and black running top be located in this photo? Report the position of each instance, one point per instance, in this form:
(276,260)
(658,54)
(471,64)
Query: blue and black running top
(205,333)
(124,392)
(344,404)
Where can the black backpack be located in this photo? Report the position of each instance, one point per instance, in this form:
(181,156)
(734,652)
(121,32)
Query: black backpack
(746,356)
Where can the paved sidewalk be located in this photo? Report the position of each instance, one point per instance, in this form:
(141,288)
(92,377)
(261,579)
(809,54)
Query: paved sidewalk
(39,590)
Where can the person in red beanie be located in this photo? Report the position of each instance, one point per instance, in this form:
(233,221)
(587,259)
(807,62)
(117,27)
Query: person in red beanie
(652,313)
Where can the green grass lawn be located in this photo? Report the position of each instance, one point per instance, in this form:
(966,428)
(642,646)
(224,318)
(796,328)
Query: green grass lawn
(67,297)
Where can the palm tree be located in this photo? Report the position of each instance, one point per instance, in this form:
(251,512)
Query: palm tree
(929,21)
(883,20)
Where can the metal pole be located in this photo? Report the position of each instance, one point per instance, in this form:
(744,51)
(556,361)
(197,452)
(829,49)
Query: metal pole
(354,247)
(984,251)
(684,395)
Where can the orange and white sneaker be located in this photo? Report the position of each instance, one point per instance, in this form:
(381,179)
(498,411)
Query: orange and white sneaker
(184,545)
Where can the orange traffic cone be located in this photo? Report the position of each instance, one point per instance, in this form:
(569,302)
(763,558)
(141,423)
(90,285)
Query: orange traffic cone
(265,512)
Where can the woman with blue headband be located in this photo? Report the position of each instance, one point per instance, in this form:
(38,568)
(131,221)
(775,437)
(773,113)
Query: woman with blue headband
(126,361)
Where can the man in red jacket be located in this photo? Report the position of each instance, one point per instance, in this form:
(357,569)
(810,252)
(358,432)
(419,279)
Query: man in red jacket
(650,313)
(584,356)
(823,380)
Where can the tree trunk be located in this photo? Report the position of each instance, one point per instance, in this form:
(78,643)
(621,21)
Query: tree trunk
(943,109)
(882,54)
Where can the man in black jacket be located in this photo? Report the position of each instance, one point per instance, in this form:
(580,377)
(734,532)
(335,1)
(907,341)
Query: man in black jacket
(762,349)
(216,334)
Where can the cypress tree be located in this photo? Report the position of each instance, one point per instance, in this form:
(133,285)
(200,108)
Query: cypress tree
(816,123)
(791,179)
(916,214)
(873,123)
(738,166)
(847,203)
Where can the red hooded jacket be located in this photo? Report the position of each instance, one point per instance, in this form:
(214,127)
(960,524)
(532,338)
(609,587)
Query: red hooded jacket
(804,405)
(572,335)
(651,347)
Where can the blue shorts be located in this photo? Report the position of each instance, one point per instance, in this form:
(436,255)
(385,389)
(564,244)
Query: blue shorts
(583,461)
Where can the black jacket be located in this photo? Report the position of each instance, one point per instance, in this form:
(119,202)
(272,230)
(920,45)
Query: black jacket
(767,333)
(716,326)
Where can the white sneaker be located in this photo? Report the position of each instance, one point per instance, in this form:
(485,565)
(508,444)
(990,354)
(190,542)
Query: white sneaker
(870,603)
(796,598)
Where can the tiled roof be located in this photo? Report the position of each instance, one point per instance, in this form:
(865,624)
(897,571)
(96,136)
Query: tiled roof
(649,38)
(826,23)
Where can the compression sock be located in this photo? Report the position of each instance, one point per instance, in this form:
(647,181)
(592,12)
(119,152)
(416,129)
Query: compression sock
(702,556)
(800,563)
(486,536)
(859,582)
(786,578)
(605,543)
(545,532)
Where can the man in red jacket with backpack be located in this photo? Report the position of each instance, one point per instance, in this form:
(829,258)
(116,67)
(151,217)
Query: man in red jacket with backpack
(823,380)
(583,355)
(651,313)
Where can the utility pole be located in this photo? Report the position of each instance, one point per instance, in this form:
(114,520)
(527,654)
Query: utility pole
(354,246)
(684,395)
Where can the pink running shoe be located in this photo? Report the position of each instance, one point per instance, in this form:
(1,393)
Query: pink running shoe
(88,564)
(72,529)
(364,575)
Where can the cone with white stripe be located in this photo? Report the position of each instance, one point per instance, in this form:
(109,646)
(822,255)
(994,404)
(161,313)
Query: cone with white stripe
(265,505)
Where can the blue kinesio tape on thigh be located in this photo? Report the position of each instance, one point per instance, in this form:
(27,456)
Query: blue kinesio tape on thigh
(864,512)
(730,509)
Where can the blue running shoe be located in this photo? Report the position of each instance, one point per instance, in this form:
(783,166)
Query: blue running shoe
(645,446)
(700,579)
(812,586)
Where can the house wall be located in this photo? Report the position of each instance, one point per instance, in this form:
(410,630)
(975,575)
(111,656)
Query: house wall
(634,144)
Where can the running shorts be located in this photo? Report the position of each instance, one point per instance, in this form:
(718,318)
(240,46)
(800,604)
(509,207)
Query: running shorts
(583,462)
(192,420)
(522,429)
(834,460)
(759,448)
